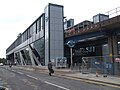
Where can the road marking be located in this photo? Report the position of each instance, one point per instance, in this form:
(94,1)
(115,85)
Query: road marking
(56,85)
(32,77)
(20,72)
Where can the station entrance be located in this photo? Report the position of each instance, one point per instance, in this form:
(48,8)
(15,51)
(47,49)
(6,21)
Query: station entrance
(86,49)
(105,49)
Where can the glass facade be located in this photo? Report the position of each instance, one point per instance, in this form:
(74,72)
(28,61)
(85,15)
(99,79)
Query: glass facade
(28,33)
(39,50)
(42,40)
(29,46)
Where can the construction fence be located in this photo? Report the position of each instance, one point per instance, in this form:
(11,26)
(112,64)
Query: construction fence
(109,65)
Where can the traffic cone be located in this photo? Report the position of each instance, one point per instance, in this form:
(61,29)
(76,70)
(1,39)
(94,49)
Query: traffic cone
(96,73)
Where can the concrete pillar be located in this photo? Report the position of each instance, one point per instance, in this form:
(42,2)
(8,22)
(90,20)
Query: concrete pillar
(115,53)
(110,45)
(115,45)
(110,58)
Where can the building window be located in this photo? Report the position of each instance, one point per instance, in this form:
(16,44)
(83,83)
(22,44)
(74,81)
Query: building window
(30,32)
(34,28)
(38,25)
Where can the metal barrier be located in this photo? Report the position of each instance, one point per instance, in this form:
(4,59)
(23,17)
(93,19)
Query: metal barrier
(109,65)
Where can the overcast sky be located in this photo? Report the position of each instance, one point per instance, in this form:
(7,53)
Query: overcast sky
(17,15)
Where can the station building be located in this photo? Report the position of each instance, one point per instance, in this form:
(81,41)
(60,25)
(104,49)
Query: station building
(45,39)
(42,41)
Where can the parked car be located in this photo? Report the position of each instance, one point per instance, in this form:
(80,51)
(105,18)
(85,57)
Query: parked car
(1,64)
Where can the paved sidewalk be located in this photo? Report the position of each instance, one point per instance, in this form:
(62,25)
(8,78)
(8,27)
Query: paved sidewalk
(113,80)
(92,77)
(75,74)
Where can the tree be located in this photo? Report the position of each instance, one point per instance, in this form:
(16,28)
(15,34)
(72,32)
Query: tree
(2,60)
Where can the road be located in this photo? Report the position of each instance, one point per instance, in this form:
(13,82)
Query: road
(17,79)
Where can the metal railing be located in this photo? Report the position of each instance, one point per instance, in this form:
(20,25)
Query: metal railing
(109,65)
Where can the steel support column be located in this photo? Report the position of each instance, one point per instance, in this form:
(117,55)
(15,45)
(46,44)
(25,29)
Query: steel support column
(115,52)
(31,56)
(22,59)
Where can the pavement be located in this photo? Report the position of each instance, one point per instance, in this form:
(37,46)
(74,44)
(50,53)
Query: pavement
(112,80)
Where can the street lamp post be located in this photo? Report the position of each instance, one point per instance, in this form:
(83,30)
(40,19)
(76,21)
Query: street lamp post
(71,44)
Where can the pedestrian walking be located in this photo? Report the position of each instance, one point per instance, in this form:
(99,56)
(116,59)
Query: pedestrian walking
(10,65)
(50,68)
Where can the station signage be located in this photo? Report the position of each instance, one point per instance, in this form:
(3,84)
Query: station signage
(71,43)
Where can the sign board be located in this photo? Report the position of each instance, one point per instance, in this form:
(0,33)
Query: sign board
(71,43)
(97,62)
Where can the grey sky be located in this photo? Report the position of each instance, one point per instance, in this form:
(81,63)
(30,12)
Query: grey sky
(17,15)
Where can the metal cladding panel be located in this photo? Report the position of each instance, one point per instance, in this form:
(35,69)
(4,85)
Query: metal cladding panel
(46,10)
(56,31)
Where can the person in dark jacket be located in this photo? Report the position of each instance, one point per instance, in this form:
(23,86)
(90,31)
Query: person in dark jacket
(50,68)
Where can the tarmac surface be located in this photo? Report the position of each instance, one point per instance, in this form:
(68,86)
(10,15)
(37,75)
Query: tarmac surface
(88,77)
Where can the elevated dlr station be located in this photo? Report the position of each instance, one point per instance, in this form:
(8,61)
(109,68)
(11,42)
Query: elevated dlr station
(97,42)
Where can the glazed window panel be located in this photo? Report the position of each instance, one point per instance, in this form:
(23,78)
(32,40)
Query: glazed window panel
(39,25)
(34,27)
(30,32)
(27,33)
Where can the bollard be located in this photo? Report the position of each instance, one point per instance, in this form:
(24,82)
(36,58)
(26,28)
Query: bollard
(96,73)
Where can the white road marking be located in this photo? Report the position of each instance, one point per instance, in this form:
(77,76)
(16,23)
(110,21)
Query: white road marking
(56,85)
(32,77)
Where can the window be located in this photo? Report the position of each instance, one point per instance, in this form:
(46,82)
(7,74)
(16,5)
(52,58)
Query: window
(38,25)
(30,32)
(34,28)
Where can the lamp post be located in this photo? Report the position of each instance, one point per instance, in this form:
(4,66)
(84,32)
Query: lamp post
(71,44)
